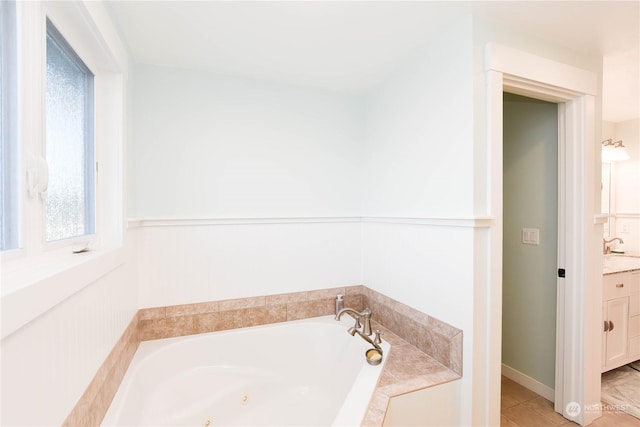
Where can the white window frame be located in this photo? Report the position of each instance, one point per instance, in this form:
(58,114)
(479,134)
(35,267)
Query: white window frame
(9,134)
(40,274)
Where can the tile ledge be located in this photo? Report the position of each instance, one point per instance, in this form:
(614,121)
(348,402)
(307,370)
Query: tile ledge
(376,412)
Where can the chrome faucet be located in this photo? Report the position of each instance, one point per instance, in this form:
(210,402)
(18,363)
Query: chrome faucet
(606,249)
(363,320)
(374,357)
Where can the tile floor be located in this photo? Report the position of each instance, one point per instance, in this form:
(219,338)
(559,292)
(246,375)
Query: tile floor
(523,408)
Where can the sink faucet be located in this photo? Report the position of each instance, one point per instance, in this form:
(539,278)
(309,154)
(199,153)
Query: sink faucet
(606,249)
(364,317)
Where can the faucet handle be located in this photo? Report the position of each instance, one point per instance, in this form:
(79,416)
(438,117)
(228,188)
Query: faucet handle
(357,325)
(376,338)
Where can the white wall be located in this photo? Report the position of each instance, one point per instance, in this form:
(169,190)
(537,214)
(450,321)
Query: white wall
(48,363)
(182,263)
(214,146)
(419,168)
(419,146)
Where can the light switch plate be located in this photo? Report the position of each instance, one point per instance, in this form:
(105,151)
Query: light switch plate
(531,236)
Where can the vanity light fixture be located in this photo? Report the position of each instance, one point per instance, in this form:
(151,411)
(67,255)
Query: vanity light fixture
(614,151)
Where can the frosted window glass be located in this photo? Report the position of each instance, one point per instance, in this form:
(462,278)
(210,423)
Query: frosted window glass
(69,142)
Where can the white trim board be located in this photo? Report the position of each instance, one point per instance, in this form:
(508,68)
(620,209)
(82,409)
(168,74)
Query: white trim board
(528,382)
(469,222)
(521,64)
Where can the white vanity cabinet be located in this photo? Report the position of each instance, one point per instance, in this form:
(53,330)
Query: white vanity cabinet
(634,317)
(621,319)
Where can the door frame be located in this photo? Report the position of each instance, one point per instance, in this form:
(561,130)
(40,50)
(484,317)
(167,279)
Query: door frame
(578,343)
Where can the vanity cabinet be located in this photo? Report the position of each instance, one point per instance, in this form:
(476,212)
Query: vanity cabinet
(621,319)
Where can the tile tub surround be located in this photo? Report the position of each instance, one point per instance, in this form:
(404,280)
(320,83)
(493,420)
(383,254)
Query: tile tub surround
(94,402)
(425,351)
(198,318)
(439,340)
(407,369)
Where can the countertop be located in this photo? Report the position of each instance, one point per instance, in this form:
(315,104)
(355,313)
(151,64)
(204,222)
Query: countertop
(618,263)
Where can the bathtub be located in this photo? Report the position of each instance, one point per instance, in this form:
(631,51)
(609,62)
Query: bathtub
(306,373)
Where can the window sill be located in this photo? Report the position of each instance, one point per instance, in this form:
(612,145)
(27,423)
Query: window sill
(30,292)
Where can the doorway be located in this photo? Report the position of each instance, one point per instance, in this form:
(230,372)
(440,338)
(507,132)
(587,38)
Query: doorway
(577,381)
(530,242)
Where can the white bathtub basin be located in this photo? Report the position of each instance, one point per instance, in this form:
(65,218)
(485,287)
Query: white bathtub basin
(306,373)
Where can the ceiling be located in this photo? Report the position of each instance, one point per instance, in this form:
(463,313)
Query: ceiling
(350,46)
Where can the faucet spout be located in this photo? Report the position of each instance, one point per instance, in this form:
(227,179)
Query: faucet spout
(349,311)
(606,249)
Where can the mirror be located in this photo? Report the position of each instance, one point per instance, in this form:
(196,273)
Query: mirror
(606,195)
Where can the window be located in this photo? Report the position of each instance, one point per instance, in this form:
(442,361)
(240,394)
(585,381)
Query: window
(63,80)
(8,128)
(70,199)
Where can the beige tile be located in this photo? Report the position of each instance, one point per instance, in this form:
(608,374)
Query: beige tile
(236,304)
(277,299)
(330,293)
(307,309)
(304,296)
(408,362)
(524,416)
(207,322)
(411,313)
(507,401)
(263,315)
(455,354)
(420,382)
(377,409)
(373,418)
(442,328)
(354,301)
(229,319)
(438,347)
(151,313)
(385,315)
(165,328)
(515,391)
(190,309)
(354,290)
(386,378)
(387,335)
(616,419)
(505,422)
(542,406)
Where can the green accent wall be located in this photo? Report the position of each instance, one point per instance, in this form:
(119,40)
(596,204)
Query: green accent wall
(529,271)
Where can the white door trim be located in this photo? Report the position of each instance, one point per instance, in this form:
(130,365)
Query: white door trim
(577,350)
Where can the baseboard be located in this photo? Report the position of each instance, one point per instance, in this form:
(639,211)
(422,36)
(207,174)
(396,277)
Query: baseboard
(528,382)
